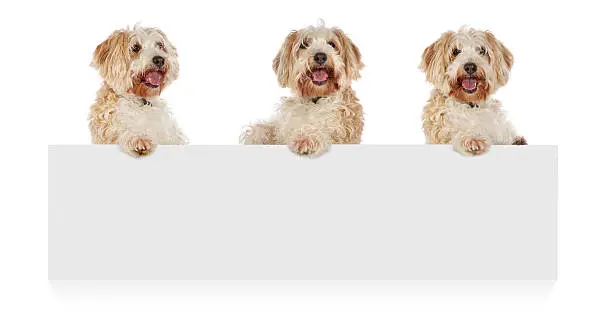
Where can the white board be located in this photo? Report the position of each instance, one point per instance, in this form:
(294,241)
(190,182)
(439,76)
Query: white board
(254,212)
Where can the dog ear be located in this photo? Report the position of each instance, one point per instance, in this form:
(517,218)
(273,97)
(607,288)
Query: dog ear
(282,63)
(112,59)
(435,58)
(501,58)
(350,54)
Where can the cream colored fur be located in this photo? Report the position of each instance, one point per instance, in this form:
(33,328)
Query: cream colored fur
(127,111)
(316,115)
(471,122)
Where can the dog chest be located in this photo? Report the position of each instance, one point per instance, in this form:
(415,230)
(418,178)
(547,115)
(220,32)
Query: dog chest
(150,116)
(489,119)
(299,112)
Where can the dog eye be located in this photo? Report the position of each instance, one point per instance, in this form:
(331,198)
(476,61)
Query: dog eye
(483,51)
(332,44)
(304,44)
(136,48)
(456,52)
(161,46)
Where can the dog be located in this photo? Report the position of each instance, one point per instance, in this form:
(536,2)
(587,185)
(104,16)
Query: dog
(136,66)
(466,68)
(318,64)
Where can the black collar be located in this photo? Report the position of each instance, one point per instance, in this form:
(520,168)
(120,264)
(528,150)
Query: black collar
(473,105)
(316,99)
(146,103)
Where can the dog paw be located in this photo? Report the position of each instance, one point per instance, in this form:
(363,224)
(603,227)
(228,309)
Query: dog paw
(140,146)
(307,146)
(519,141)
(473,146)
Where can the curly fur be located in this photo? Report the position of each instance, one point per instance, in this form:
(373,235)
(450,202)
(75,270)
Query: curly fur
(470,120)
(317,115)
(128,111)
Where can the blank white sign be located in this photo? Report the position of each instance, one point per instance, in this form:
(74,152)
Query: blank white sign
(260,212)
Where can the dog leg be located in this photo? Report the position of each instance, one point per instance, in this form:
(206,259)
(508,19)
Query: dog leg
(507,135)
(259,134)
(470,144)
(137,145)
(308,142)
(519,141)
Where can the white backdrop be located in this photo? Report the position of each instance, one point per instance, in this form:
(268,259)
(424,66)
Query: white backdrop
(558,94)
(226,50)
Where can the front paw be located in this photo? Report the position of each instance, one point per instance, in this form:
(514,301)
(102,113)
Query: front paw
(519,141)
(139,146)
(308,145)
(472,146)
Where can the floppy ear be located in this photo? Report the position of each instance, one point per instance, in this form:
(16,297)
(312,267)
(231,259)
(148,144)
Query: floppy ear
(435,58)
(350,55)
(283,64)
(112,59)
(501,58)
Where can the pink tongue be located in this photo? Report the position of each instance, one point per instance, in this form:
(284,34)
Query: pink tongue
(319,76)
(469,84)
(154,78)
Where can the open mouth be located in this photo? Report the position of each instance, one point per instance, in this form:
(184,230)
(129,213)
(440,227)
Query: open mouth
(153,79)
(319,76)
(469,85)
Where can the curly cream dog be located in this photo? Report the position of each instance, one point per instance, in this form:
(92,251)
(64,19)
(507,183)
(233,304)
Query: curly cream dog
(136,66)
(318,64)
(466,68)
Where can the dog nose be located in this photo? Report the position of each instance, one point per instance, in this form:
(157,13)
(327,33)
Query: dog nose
(320,58)
(470,68)
(158,61)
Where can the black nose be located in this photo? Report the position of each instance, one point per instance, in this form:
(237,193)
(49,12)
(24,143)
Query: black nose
(320,58)
(470,68)
(158,61)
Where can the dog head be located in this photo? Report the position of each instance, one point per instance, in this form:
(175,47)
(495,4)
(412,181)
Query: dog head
(468,65)
(317,61)
(141,61)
